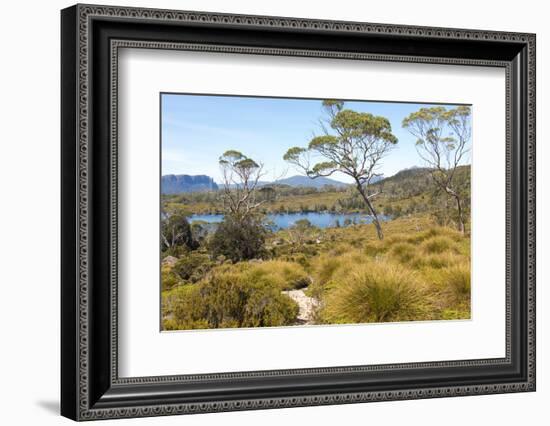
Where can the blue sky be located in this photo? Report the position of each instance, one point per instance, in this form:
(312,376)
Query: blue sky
(197,129)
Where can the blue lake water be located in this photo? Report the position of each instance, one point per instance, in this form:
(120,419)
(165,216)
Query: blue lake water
(286,220)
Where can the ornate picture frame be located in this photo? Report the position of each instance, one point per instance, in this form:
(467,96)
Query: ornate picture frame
(91,38)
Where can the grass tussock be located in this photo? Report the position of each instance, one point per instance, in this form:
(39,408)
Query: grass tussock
(456,280)
(375,291)
(420,269)
(404,252)
(438,244)
(281,274)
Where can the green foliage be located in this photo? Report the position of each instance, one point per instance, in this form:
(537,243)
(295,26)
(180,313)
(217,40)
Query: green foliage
(239,238)
(180,309)
(418,272)
(199,231)
(176,233)
(359,141)
(293,153)
(192,267)
(431,114)
(323,168)
(229,298)
(333,104)
(354,146)
(169,279)
(360,124)
(325,141)
(237,161)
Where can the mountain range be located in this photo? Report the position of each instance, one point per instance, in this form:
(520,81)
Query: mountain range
(305,181)
(176,184)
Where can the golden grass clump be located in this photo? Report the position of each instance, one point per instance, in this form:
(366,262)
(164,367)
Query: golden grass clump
(404,252)
(325,266)
(456,282)
(439,244)
(436,261)
(374,291)
(281,274)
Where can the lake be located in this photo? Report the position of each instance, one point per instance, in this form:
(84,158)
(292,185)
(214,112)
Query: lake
(286,220)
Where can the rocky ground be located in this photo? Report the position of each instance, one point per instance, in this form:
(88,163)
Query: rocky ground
(305,303)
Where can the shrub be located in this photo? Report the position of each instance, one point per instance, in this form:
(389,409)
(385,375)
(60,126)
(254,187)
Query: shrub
(168,278)
(301,232)
(230,298)
(239,239)
(375,291)
(199,230)
(193,266)
(180,309)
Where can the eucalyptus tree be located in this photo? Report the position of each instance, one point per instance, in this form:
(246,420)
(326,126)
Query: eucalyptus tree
(240,175)
(175,231)
(353,144)
(241,235)
(443,137)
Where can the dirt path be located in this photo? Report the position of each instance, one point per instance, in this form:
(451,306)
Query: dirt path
(305,303)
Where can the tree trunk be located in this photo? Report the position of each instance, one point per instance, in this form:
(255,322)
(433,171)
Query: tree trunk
(461,224)
(373,212)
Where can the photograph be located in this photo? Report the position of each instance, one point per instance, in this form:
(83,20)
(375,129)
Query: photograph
(266,208)
(297,212)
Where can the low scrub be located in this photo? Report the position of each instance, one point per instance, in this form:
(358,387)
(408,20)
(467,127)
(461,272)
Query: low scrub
(418,272)
(193,266)
(168,278)
(229,298)
(246,294)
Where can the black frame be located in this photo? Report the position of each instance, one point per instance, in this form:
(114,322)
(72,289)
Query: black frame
(91,37)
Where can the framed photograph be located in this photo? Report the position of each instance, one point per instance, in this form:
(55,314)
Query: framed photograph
(263,212)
